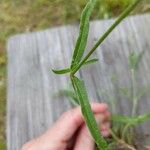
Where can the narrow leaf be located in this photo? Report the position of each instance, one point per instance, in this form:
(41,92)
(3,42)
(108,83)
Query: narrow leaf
(63,71)
(143,118)
(87,113)
(131,120)
(92,61)
(83,33)
(122,119)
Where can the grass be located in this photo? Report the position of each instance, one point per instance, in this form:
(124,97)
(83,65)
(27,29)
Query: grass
(23,16)
(2,99)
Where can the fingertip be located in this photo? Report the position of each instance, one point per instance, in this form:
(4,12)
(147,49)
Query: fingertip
(105,129)
(105,133)
(99,107)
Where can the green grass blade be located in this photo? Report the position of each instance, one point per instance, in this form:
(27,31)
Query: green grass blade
(63,71)
(87,113)
(92,61)
(83,33)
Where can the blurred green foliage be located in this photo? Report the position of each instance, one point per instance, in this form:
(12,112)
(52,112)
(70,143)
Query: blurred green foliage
(27,15)
(17,16)
(2,99)
(2,145)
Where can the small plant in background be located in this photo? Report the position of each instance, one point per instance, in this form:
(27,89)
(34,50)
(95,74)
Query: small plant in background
(123,126)
(78,85)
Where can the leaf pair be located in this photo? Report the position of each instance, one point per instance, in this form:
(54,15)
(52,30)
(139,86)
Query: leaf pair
(68,70)
(88,114)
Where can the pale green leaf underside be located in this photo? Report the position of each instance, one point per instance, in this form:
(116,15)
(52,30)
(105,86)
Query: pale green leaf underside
(87,113)
(83,33)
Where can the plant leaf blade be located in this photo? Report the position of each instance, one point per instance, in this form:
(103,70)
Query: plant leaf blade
(83,33)
(131,120)
(87,113)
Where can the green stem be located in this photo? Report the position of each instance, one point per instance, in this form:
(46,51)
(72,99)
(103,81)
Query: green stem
(134,92)
(121,17)
(120,141)
(125,130)
(114,136)
(134,98)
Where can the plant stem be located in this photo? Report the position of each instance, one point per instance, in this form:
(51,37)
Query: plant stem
(134,92)
(134,98)
(120,141)
(120,18)
(125,130)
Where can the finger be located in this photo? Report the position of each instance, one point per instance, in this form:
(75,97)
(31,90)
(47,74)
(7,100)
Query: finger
(84,140)
(105,124)
(105,129)
(107,116)
(70,121)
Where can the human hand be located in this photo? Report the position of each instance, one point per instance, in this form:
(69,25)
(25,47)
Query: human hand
(70,132)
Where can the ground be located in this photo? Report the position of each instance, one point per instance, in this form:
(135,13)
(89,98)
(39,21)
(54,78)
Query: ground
(33,15)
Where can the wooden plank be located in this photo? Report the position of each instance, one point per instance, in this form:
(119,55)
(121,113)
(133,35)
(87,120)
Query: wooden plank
(31,106)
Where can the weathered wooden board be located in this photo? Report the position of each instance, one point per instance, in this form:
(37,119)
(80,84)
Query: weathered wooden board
(31,106)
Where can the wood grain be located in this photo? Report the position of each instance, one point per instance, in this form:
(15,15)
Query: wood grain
(31,106)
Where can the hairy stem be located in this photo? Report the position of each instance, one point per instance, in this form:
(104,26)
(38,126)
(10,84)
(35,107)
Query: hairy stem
(120,18)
